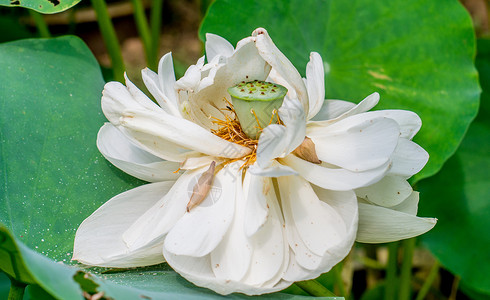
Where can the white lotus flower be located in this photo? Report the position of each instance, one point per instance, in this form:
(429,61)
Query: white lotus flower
(241,215)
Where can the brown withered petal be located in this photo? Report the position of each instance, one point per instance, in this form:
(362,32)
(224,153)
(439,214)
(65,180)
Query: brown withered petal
(307,151)
(201,189)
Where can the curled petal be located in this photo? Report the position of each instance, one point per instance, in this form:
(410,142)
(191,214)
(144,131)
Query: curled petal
(274,57)
(315,84)
(163,127)
(217,46)
(119,150)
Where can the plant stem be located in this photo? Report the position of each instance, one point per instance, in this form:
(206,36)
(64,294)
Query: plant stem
(406,271)
(110,38)
(314,288)
(454,288)
(428,281)
(41,25)
(16,290)
(339,282)
(391,270)
(143,28)
(155,26)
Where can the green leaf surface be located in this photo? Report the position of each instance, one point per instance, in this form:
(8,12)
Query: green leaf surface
(42,6)
(459,197)
(53,176)
(417,54)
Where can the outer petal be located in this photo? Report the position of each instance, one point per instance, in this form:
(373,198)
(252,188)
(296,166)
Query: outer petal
(333,178)
(382,225)
(119,150)
(389,191)
(281,64)
(99,242)
(116,98)
(363,106)
(199,231)
(319,225)
(357,143)
(199,271)
(216,45)
(257,190)
(154,128)
(315,84)
(270,250)
(231,258)
(408,158)
(294,119)
(331,109)
(409,205)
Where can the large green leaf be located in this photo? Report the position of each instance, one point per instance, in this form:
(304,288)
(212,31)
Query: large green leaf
(42,6)
(52,171)
(460,197)
(416,54)
(53,175)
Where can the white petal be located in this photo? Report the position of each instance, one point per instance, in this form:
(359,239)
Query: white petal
(382,225)
(139,96)
(199,231)
(116,99)
(274,170)
(408,158)
(167,80)
(389,191)
(198,271)
(357,143)
(270,250)
(281,64)
(244,65)
(331,109)
(315,84)
(163,127)
(318,224)
(295,271)
(216,45)
(152,83)
(409,205)
(294,119)
(99,242)
(118,149)
(156,222)
(190,80)
(231,258)
(304,257)
(272,144)
(363,106)
(257,190)
(408,121)
(334,178)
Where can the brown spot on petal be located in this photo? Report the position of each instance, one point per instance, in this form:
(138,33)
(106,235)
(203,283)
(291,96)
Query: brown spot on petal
(201,189)
(307,151)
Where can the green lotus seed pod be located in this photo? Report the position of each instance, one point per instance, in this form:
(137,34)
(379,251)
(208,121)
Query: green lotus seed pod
(256,104)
